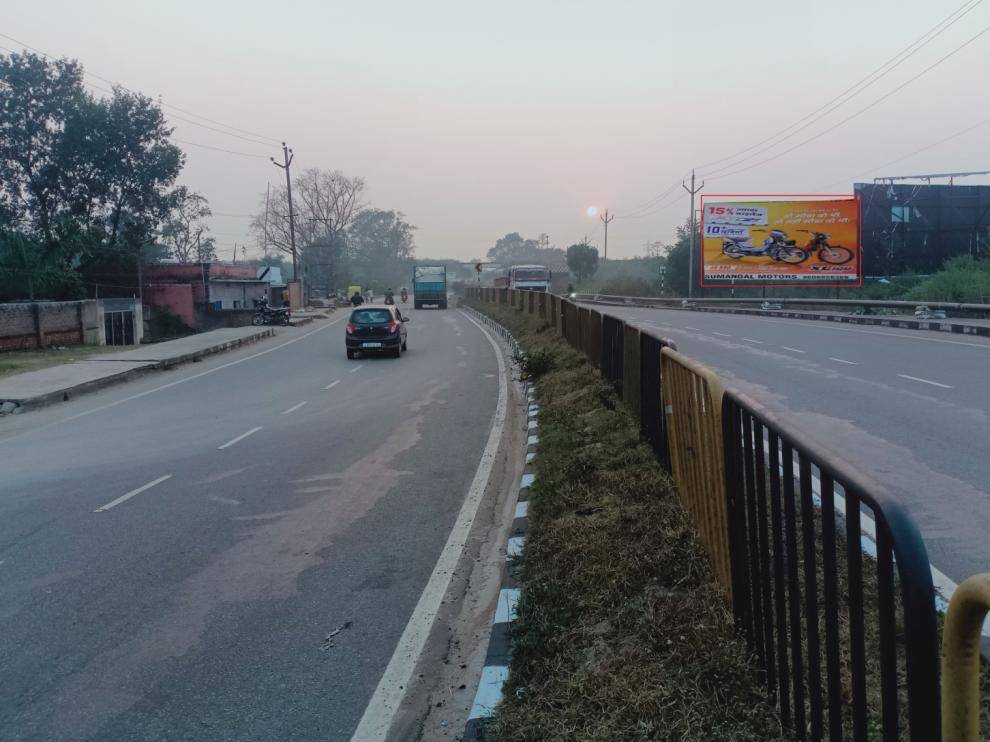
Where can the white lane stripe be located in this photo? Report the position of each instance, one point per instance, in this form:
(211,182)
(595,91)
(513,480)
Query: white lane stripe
(489,693)
(505,610)
(293,408)
(357,368)
(171,384)
(840,360)
(129,495)
(826,326)
(696,329)
(723,334)
(241,437)
(925,381)
(381,709)
(794,350)
(331,385)
(750,340)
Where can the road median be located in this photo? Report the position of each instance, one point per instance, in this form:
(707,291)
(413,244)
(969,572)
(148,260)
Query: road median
(621,631)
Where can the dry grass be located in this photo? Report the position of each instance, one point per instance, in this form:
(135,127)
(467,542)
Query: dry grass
(621,633)
(18,361)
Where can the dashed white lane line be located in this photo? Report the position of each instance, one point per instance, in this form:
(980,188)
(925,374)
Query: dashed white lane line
(723,334)
(842,360)
(293,408)
(925,381)
(750,340)
(129,495)
(696,329)
(357,368)
(331,385)
(793,350)
(239,438)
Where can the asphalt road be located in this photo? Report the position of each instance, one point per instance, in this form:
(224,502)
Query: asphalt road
(292,493)
(910,408)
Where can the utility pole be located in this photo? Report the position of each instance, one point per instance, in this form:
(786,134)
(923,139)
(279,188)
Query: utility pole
(692,190)
(287,156)
(605,220)
(268,195)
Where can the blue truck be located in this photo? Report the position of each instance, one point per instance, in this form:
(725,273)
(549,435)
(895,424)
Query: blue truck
(430,286)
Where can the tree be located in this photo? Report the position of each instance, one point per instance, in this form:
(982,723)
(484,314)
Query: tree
(582,260)
(380,248)
(677,276)
(325,203)
(514,249)
(184,233)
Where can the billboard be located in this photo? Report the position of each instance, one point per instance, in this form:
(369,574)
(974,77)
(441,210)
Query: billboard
(774,243)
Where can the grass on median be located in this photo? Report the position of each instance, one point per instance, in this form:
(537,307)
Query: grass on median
(621,632)
(18,361)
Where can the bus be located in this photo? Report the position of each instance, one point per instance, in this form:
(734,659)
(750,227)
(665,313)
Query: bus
(525,278)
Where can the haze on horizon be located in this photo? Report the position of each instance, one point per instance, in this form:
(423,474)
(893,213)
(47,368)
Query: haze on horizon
(478,121)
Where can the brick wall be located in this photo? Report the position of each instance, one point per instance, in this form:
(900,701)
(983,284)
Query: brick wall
(26,325)
(178,298)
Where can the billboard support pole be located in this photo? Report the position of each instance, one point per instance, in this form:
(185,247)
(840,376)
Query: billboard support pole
(692,190)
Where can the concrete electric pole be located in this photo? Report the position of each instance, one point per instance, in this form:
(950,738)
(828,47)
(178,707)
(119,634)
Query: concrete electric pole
(605,220)
(692,190)
(287,156)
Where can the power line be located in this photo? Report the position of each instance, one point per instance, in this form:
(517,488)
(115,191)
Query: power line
(858,113)
(220,149)
(163,105)
(852,91)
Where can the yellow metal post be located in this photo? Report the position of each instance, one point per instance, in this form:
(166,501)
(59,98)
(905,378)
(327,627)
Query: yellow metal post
(961,660)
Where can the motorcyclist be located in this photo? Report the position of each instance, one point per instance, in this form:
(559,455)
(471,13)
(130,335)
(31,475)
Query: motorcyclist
(404,293)
(357,300)
(389,296)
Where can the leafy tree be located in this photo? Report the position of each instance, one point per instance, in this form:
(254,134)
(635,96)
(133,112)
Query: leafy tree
(582,260)
(184,233)
(514,249)
(380,248)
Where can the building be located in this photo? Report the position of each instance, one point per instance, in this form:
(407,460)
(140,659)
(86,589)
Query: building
(204,295)
(917,227)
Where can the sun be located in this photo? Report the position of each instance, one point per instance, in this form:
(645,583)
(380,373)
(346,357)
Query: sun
(592,210)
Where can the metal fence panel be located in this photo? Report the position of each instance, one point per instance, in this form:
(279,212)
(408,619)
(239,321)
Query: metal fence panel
(611,351)
(593,338)
(630,367)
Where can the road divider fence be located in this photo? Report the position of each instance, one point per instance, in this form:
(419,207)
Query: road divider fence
(827,574)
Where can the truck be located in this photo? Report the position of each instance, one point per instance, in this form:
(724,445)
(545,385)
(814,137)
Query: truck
(525,278)
(430,286)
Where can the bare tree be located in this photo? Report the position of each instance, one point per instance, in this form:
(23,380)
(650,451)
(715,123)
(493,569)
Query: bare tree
(184,233)
(325,204)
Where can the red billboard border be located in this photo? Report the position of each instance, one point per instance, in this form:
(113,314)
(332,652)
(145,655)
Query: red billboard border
(800,196)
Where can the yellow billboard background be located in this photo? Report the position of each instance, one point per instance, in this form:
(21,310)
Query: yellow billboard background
(743,226)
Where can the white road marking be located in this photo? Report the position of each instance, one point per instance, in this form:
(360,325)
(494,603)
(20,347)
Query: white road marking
(357,368)
(696,329)
(381,709)
(723,334)
(750,340)
(171,384)
(793,350)
(331,385)
(293,408)
(924,381)
(241,437)
(129,495)
(840,360)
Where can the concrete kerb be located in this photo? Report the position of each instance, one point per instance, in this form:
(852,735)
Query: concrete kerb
(15,405)
(496,669)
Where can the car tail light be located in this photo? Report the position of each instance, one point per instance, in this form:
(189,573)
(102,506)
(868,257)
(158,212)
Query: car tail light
(350,328)
(394,327)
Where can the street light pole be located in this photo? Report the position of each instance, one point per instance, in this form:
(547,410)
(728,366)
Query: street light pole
(606,219)
(692,190)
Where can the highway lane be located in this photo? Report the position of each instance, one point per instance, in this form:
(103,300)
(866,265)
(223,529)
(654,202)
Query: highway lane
(165,576)
(911,408)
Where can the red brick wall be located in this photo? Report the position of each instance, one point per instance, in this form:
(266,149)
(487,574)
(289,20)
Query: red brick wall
(60,324)
(178,298)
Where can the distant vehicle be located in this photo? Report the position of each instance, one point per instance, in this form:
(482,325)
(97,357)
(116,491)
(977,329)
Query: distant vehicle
(525,278)
(376,330)
(924,312)
(430,286)
(770,305)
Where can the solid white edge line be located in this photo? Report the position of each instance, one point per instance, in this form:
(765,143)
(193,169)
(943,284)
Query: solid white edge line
(294,408)
(840,360)
(201,374)
(384,703)
(925,381)
(241,437)
(331,385)
(129,495)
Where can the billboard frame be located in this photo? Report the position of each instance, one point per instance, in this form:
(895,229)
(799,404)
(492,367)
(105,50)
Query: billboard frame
(782,197)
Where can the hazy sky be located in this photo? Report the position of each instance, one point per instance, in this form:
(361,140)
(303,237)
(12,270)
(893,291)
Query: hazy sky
(480,119)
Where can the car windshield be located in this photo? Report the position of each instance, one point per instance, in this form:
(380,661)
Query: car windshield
(531,274)
(371,316)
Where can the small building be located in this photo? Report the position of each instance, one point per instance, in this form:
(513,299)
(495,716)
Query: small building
(204,295)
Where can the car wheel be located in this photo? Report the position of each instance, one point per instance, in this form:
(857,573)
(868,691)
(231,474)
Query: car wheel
(350,355)
(397,353)
(404,345)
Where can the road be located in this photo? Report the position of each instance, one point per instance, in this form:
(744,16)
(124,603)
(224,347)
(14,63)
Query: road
(174,552)
(911,408)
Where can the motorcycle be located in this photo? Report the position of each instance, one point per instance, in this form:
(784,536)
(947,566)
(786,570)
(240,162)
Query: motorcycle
(404,295)
(834,254)
(266,315)
(776,246)
(389,299)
